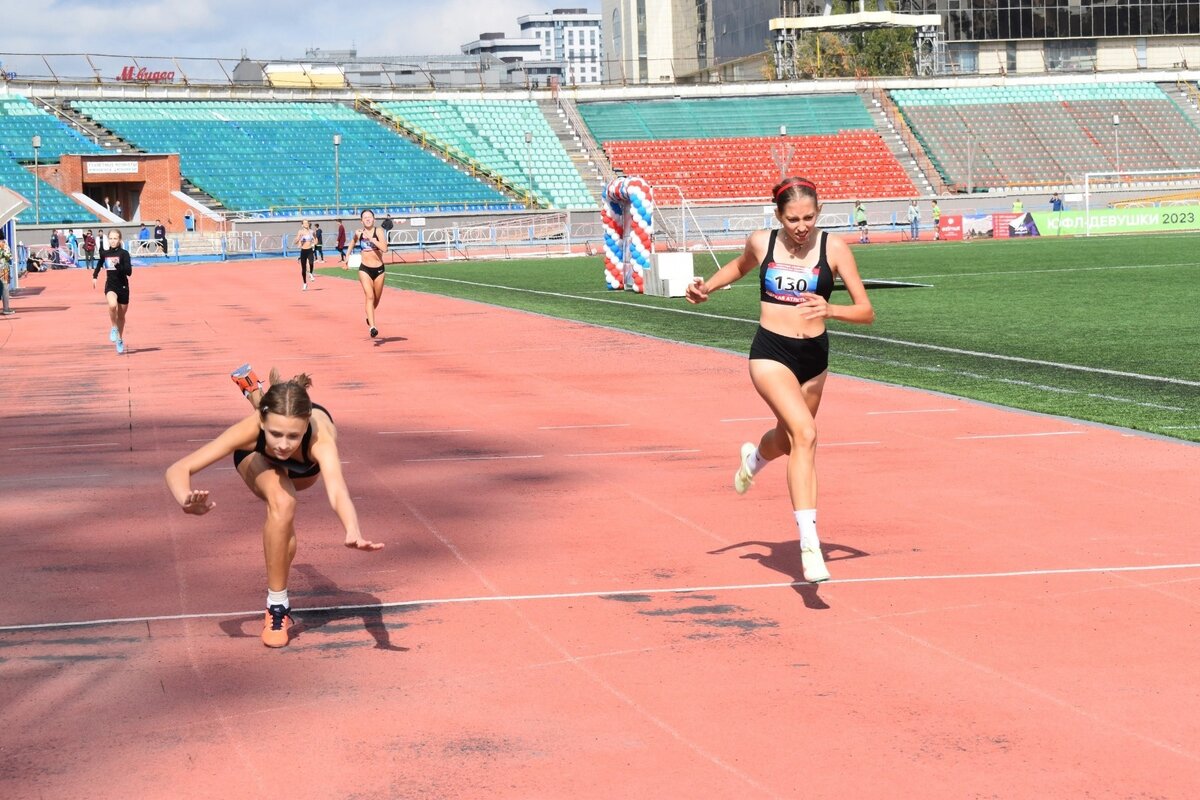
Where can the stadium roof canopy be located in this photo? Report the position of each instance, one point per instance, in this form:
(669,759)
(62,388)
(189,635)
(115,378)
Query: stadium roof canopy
(857,21)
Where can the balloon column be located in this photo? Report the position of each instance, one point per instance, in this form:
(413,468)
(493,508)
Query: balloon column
(627,214)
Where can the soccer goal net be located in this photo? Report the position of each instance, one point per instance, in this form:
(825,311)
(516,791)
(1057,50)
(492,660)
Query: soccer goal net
(1137,202)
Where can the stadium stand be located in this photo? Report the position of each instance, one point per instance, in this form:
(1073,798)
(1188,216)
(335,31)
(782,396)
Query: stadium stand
(279,156)
(20,121)
(725,117)
(725,148)
(1048,135)
(492,133)
(844,166)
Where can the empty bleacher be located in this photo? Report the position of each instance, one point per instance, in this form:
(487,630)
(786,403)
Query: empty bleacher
(844,166)
(1048,135)
(279,156)
(725,117)
(492,133)
(727,148)
(20,121)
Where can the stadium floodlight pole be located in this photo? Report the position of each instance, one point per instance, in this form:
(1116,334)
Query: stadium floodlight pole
(528,167)
(1117,138)
(37,194)
(337,177)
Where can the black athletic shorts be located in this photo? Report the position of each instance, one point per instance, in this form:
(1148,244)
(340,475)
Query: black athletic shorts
(122,293)
(373,272)
(806,358)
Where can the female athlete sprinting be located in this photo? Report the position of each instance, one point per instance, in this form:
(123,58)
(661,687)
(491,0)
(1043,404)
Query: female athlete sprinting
(280,449)
(789,357)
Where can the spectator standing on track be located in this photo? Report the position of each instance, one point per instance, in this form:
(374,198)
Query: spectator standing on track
(115,262)
(143,237)
(789,357)
(860,219)
(1056,202)
(89,248)
(914,220)
(936,214)
(319,246)
(387,225)
(306,241)
(160,236)
(72,244)
(372,244)
(280,449)
(1018,207)
(341,241)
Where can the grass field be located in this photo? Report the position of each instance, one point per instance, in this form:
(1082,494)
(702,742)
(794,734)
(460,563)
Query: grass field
(1104,329)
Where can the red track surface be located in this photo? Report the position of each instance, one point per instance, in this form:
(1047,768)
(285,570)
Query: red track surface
(995,626)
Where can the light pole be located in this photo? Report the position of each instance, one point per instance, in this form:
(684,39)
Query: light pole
(37,192)
(1117,139)
(528,167)
(337,175)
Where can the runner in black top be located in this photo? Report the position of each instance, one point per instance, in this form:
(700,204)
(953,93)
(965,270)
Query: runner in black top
(372,243)
(790,353)
(280,449)
(114,260)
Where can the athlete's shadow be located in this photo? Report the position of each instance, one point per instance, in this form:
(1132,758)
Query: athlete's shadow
(343,605)
(784,557)
(382,340)
(133,350)
(346,605)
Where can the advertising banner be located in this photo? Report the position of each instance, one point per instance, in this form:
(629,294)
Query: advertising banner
(1118,220)
(952,227)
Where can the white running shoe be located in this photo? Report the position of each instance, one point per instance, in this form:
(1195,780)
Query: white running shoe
(813,562)
(743,479)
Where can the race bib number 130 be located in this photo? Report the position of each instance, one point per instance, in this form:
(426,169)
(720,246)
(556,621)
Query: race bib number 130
(786,282)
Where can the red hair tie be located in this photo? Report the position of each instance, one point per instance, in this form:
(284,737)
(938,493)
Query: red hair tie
(795,182)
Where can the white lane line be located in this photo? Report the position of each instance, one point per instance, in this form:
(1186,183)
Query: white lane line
(577,427)
(53,477)
(66,446)
(1021,435)
(865,336)
(491,598)
(467,458)
(414,433)
(749,419)
(844,444)
(629,453)
(1180,427)
(913,411)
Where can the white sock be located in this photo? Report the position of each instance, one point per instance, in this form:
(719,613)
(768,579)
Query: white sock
(279,598)
(806,519)
(757,462)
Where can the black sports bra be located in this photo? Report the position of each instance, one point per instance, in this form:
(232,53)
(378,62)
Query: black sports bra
(785,283)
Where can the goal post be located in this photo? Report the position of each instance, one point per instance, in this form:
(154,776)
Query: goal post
(1141,201)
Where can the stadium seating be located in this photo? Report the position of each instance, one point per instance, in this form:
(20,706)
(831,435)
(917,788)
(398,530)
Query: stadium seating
(1048,135)
(20,121)
(278,156)
(492,133)
(844,166)
(725,117)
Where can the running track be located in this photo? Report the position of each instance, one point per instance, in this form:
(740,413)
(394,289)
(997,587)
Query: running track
(572,602)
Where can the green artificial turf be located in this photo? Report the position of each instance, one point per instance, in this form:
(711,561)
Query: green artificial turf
(1040,324)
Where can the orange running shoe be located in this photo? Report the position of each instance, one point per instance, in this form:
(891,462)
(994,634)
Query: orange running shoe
(245,379)
(276,624)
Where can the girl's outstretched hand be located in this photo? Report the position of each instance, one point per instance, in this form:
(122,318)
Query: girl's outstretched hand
(359,543)
(695,291)
(197,502)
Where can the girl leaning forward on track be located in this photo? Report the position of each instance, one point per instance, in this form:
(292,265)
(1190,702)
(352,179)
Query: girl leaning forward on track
(114,260)
(280,449)
(789,357)
(372,244)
